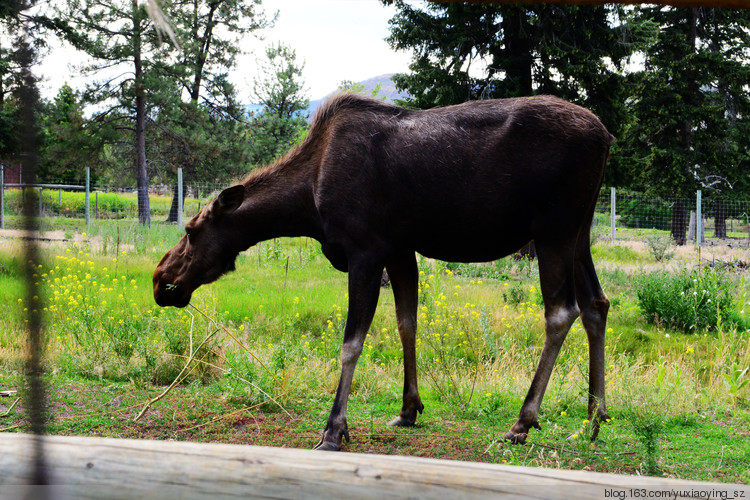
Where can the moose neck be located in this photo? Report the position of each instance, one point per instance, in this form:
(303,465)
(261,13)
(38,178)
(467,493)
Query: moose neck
(279,202)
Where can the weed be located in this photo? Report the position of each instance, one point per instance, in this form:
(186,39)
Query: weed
(688,301)
(647,421)
(735,380)
(659,245)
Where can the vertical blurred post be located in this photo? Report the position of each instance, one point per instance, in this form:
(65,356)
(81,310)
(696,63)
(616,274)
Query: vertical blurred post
(28,98)
(88,197)
(612,212)
(2,196)
(180,200)
(698,219)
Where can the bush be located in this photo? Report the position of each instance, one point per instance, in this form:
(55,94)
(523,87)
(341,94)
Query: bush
(688,301)
(659,244)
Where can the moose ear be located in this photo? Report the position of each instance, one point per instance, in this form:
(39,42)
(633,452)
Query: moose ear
(230,199)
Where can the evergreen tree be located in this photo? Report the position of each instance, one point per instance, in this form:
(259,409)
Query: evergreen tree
(691,106)
(122,40)
(283,118)
(16,15)
(464,51)
(68,142)
(204,130)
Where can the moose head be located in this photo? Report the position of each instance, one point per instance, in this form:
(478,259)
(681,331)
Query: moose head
(205,252)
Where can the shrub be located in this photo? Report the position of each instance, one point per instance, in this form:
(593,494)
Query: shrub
(688,301)
(659,244)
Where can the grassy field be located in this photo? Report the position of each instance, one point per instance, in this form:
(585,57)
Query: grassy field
(56,205)
(266,342)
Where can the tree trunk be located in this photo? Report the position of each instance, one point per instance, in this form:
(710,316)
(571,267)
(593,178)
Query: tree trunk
(518,48)
(720,220)
(172,217)
(528,251)
(144,207)
(679,222)
(679,212)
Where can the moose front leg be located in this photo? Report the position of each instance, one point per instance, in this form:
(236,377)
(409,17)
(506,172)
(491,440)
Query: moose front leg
(560,311)
(364,287)
(404,276)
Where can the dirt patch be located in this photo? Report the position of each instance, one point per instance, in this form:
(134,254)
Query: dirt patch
(49,239)
(685,256)
(47,236)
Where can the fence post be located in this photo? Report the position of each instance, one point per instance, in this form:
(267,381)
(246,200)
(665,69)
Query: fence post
(180,201)
(698,219)
(613,212)
(2,196)
(88,197)
(40,202)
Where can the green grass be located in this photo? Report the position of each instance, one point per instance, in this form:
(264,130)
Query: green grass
(109,349)
(69,207)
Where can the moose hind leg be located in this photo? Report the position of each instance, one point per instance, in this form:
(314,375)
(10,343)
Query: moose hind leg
(560,311)
(404,277)
(594,307)
(364,287)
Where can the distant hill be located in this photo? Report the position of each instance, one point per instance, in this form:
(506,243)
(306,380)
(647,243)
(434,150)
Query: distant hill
(387,89)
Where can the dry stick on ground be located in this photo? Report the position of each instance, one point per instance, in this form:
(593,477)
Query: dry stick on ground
(222,417)
(179,377)
(182,375)
(11,408)
(236,340)
(270,398)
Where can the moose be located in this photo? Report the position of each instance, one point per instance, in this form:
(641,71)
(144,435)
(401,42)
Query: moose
(375,183)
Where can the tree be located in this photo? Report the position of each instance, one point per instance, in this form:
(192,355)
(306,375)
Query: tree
(121,38)
(359,88)
(281,93)
(464,51)
(690,104)
(205,128)
(21,42)
(68,142)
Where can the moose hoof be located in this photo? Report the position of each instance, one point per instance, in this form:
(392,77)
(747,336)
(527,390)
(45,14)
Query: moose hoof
(402,422)
(513,438)
(327,446)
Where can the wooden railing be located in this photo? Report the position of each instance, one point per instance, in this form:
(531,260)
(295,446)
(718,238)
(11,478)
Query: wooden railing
(123,469)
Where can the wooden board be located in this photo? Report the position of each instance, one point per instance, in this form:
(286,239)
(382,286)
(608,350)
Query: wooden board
(124,469)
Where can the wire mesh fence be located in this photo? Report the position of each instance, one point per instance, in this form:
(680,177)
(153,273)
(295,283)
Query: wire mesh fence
(626,215)
(77,199)
(620,215)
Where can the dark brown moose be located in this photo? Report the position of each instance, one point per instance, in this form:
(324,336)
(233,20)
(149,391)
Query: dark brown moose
(375,183)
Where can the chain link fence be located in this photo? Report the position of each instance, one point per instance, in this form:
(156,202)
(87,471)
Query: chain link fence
(626,215)
(82,200)
(620,215)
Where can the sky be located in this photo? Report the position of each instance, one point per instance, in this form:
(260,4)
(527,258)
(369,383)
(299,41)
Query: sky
(336,39)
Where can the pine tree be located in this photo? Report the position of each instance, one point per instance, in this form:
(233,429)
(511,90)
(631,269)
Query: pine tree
(69,144)
(281,93)
(465,51)
(691,105)
(204,130)
(121,38)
